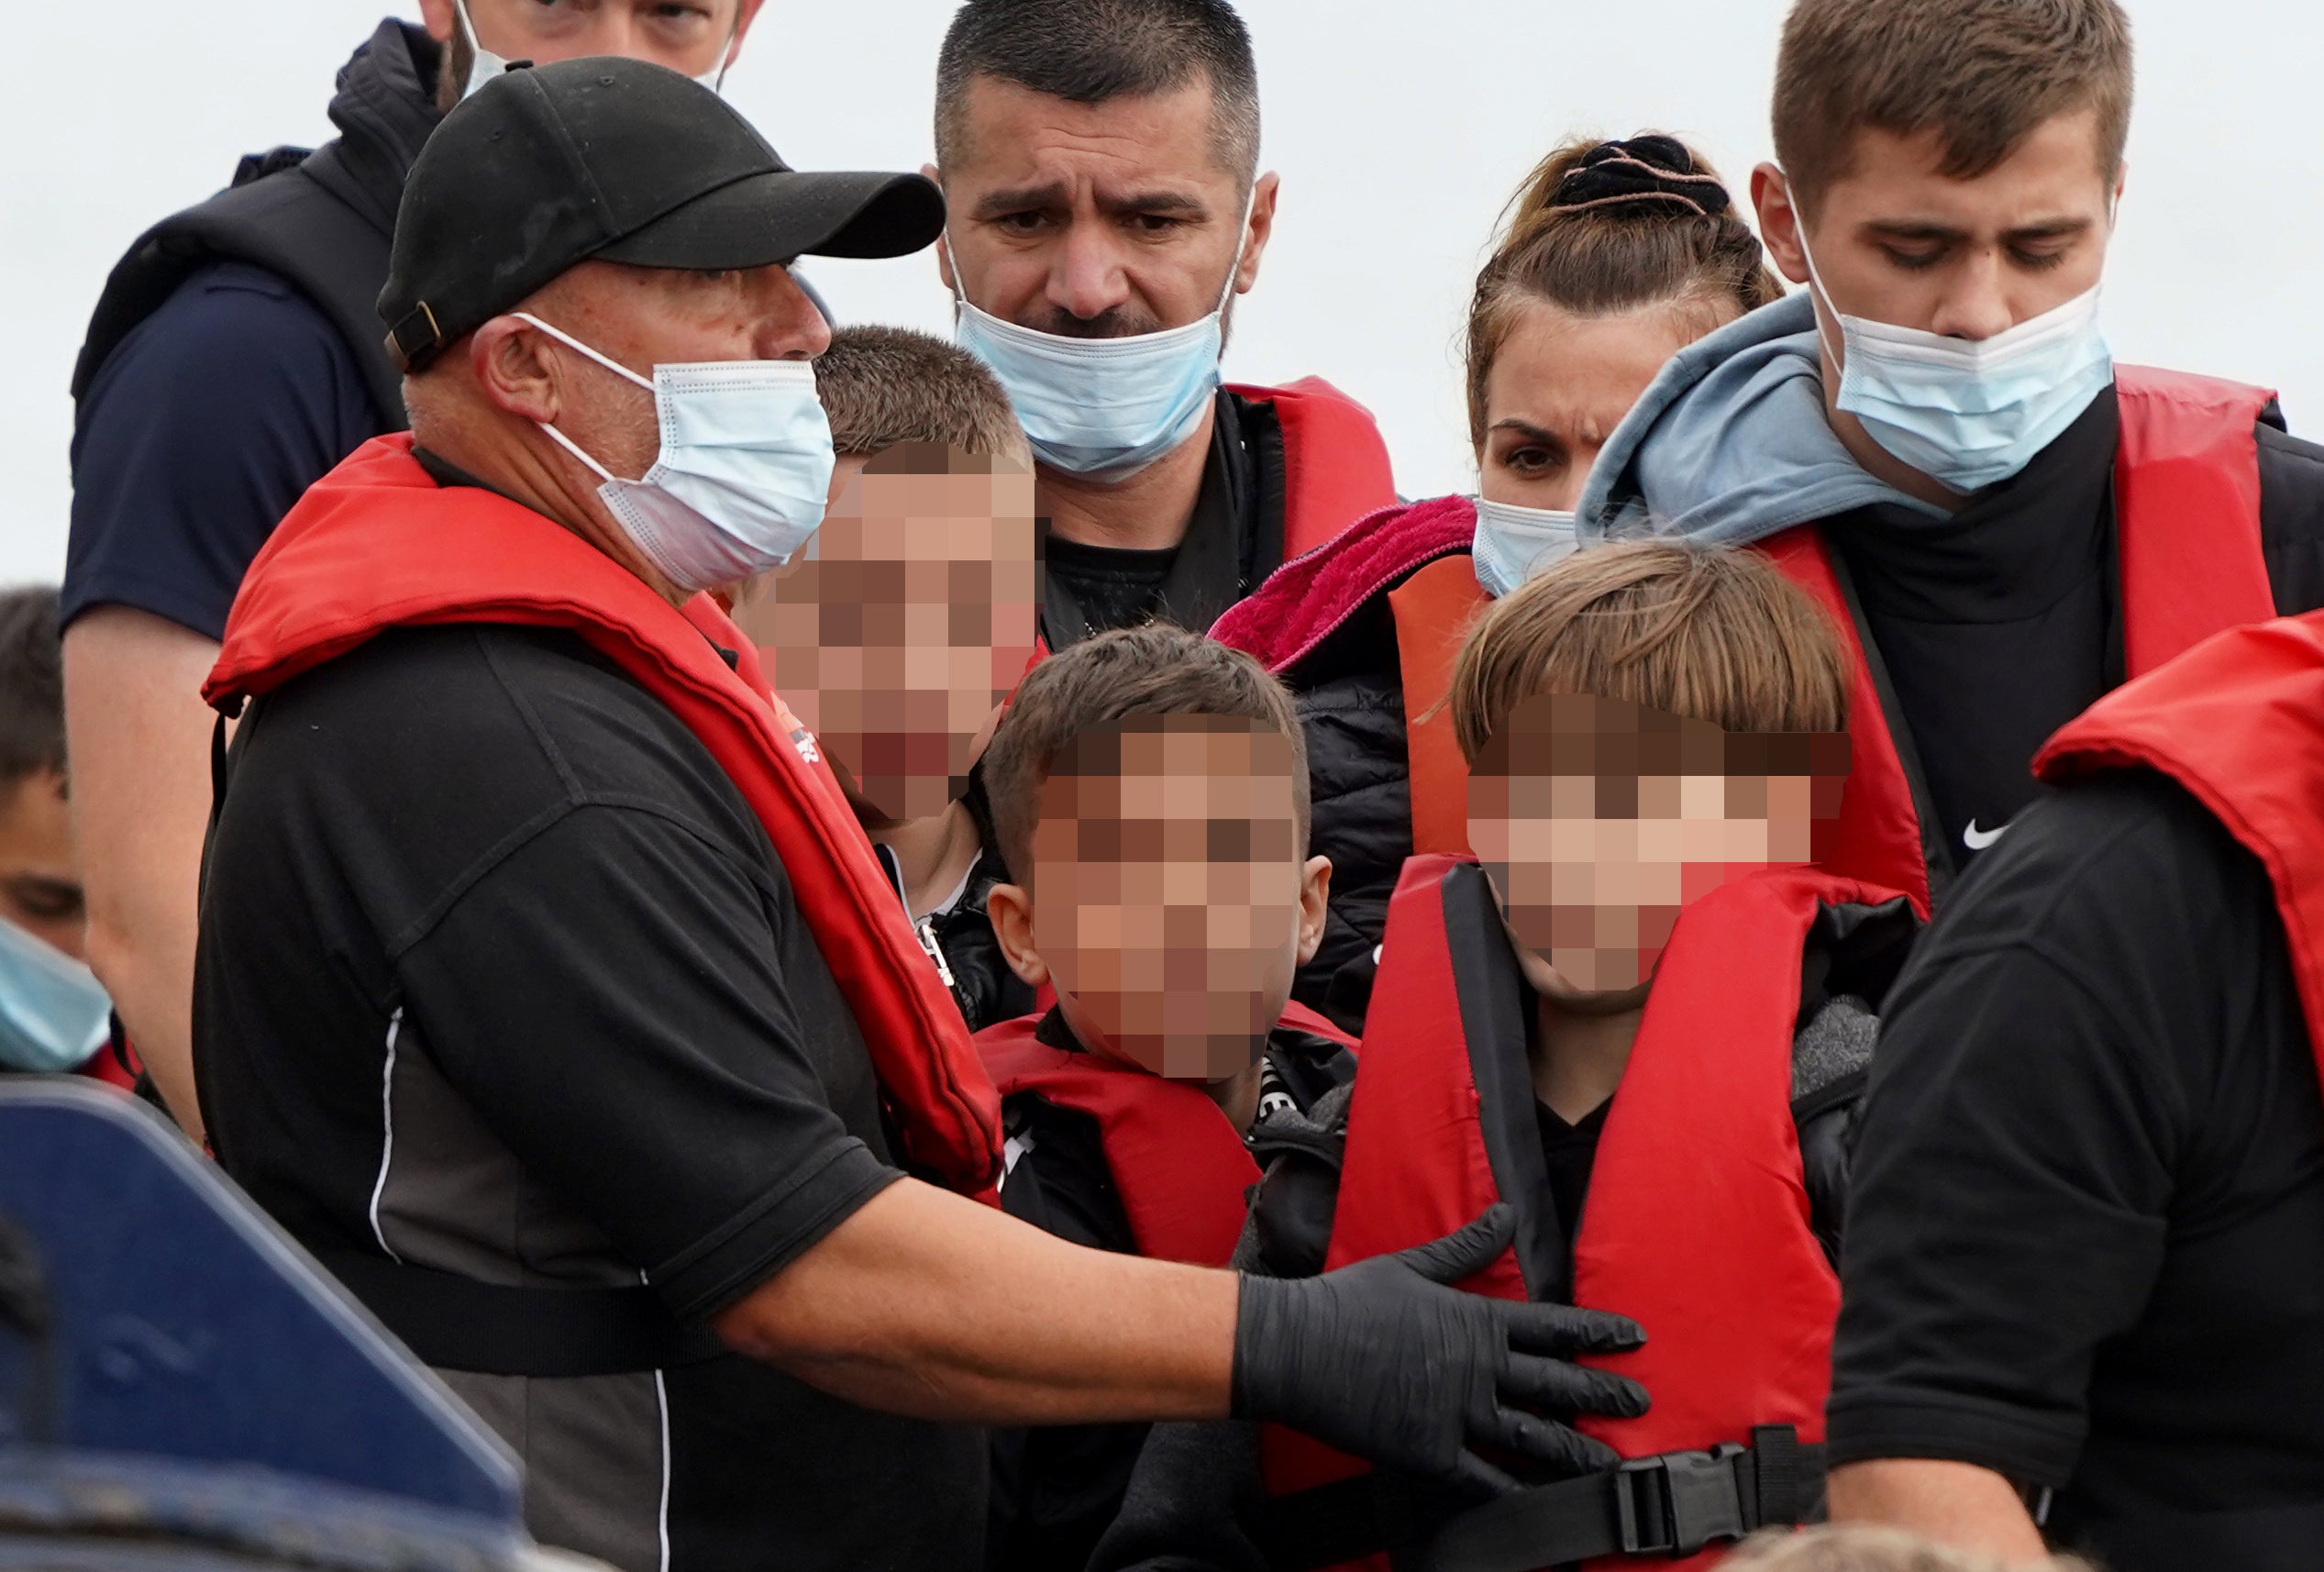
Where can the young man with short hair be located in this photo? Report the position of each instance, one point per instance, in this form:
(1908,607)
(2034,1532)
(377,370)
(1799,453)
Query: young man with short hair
(1150,790)
(1099,162)
(905,622)
(1933,436)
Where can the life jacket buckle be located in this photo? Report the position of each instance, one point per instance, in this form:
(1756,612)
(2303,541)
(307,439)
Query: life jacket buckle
(1674,1503)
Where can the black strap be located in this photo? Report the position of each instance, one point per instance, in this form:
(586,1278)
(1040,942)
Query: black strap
(1671,1504)
(458,1324)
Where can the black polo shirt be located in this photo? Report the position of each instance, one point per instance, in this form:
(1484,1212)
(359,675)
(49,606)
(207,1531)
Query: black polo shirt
(499,974)
(2082,1242)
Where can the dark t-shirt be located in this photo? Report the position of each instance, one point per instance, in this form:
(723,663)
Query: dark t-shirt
(2082,1224)
(1234,540)
(500,974)
(203,428)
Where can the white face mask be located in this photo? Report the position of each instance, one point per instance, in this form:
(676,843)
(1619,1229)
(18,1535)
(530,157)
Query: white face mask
(743,475)
(487,65)
(1514,543)
(1105,408)
(1970,413)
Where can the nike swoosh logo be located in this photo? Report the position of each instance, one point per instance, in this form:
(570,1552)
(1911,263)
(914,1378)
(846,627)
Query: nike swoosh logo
(1976,840)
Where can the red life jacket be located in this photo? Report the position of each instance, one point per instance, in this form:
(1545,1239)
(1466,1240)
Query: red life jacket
(2239,722)
(2186,508)
(376,544)
(1335,467)
(1711,1249)
(1179,1166)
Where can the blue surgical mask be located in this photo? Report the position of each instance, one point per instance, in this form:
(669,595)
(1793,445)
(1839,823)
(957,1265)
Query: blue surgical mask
(743,472)
(1104,408)
(1970,413)
(1515,543)
(487,65)
(53,1012)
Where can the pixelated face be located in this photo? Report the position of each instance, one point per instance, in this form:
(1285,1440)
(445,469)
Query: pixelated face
(1599,821)
(1167,880)
(905,623)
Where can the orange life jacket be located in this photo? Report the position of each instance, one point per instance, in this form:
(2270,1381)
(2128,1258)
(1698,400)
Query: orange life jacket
(1696,1221)
(376,544)
(1178,1164)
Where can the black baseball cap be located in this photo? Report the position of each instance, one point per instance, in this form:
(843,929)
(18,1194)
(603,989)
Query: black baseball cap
(547,166)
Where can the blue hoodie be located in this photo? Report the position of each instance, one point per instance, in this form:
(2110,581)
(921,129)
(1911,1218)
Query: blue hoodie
(1730,444)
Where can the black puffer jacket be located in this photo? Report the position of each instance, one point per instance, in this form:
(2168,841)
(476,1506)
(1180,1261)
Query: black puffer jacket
(1351,705)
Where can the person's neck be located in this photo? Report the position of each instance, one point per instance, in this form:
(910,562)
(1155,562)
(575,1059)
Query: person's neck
(1878,462)
(1237,1097)
(934,854)
(540,476)
(1581,1051)
(1150,511)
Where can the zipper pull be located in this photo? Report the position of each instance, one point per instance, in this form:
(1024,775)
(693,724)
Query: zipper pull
(926,931)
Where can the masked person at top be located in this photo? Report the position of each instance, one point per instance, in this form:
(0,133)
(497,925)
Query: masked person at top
(1617,255)
(1934,437)
(1104,207)
(233,358)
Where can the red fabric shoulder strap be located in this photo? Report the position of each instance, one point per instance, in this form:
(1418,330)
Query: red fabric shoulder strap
(376,544)
(1878,836)
(1416,1166)
(1713,1253)
(1434,609)
(2187,507)
(1335,467)
(1178,1164)
(2239,722)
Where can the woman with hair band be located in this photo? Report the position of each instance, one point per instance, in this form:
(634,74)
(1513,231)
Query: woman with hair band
(1618,254)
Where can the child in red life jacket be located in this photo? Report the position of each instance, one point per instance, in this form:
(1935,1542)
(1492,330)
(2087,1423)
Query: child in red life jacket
(1149,789)
(899,630)
(1643,1020)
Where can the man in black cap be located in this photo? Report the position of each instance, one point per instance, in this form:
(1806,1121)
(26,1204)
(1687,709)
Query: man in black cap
(232,360)
(549,993)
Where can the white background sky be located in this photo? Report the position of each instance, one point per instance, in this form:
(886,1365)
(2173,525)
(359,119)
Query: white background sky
(1401,128)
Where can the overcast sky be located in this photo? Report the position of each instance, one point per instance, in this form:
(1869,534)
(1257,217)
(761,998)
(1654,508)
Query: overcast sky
(1401,129)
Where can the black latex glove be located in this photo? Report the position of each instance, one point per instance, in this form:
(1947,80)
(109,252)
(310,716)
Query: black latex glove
(1383,1360)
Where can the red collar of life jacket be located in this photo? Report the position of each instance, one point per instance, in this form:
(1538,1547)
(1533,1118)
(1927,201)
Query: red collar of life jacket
(2187,506)
(1335,468)
(376,544)
(1697,1218)
(2240,723)
(1178,1165)
(1335,465)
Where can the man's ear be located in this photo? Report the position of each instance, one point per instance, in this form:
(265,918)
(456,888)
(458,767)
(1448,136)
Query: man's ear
(1315,899)
(1780,222)
(436,15)
(511,363)
(1010,907)
(1263,199)
(944,242)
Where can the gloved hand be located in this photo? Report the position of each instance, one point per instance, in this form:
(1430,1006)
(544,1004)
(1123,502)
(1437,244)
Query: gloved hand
(1382,1360)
